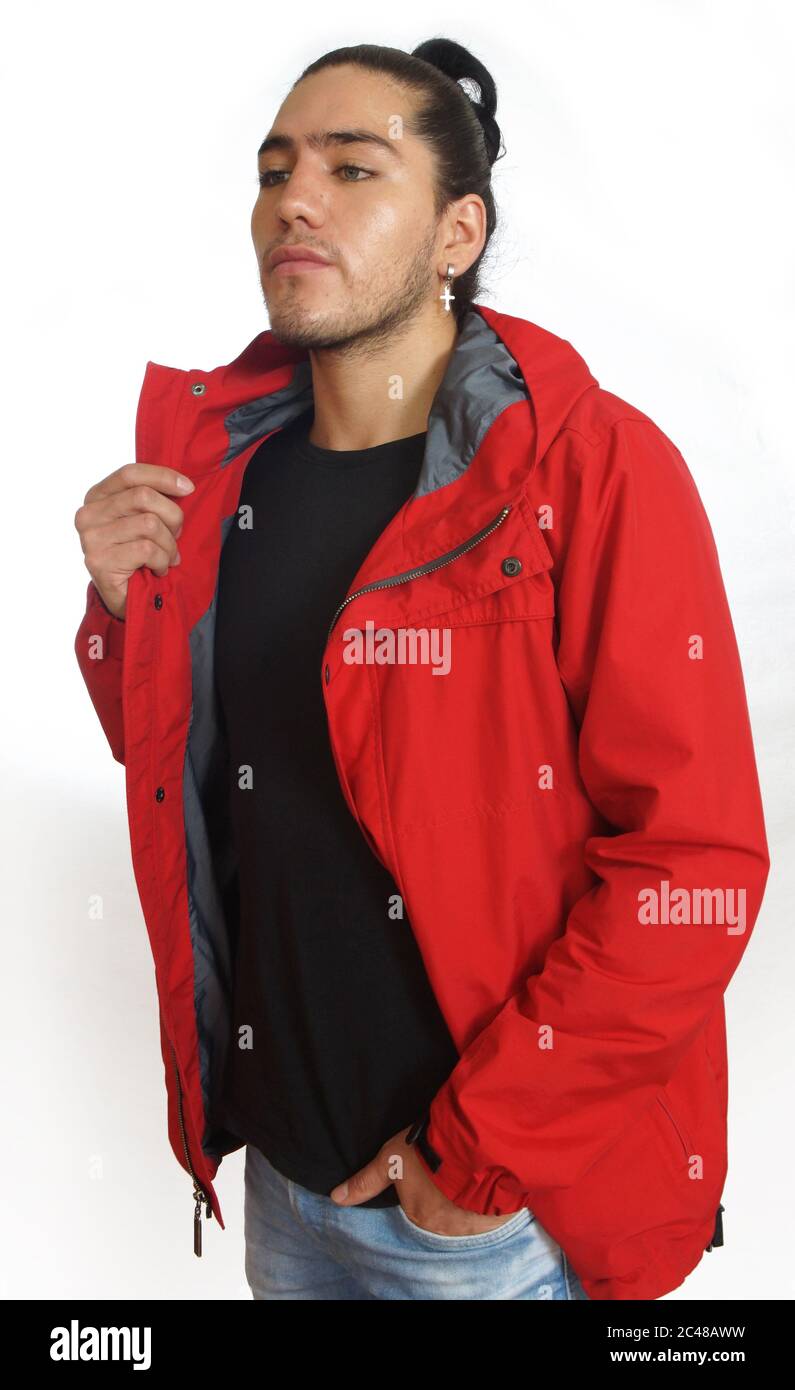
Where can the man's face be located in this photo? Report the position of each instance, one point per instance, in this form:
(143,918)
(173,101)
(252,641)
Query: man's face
(366,207)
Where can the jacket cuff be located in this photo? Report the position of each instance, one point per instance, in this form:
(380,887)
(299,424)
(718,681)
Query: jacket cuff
(489,1190)
(451,1180)
(418,1135)
(454,1182)
(113,628)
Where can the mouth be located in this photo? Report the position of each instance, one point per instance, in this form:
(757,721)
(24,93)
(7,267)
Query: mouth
(298,267)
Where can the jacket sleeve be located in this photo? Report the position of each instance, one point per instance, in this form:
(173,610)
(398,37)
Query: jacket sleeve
(99,648)
(647,656)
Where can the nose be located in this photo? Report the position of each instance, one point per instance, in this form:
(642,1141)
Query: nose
(300,196)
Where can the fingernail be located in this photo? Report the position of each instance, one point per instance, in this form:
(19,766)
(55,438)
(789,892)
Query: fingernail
(178,559)
(184,483)
(340,1193)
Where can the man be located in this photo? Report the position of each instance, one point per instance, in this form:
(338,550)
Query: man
(443,803)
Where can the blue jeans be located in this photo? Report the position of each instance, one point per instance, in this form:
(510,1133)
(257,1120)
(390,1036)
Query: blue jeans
(301,1244)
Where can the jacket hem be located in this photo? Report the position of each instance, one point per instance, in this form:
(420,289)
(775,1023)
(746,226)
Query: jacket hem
(656,1279)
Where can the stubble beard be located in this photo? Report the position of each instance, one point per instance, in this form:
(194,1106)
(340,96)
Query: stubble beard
(369,319)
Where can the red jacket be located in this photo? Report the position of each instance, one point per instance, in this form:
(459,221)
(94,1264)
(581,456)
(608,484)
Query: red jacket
(587,756)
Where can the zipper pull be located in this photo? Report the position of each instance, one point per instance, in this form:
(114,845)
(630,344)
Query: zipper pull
(197,1221)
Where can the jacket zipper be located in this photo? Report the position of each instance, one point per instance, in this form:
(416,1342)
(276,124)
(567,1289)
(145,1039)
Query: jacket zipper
(198,1191)
(427,568)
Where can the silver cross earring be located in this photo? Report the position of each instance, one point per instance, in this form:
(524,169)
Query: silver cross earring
(447,293)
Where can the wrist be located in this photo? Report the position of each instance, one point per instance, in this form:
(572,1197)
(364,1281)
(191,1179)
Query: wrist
(104,605)
(418,1136)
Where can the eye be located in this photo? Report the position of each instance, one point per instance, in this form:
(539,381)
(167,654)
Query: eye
(265,177)
(269,177)
(358,169)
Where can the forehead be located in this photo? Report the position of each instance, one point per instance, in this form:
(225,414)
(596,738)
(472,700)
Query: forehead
(349,98)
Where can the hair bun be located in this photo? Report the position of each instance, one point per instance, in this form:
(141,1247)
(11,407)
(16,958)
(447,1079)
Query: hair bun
(491,131)
(457,63)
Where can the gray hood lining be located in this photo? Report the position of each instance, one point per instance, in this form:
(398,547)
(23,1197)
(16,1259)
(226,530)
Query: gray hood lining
(482,379)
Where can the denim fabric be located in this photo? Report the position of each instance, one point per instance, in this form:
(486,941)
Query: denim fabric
(302,1245)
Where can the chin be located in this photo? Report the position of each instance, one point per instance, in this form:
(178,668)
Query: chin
(295,328)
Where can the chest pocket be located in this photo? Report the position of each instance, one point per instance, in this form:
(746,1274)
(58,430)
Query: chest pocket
(499,576)
(463,720)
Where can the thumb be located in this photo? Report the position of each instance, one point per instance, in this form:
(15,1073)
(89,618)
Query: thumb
(368,1182)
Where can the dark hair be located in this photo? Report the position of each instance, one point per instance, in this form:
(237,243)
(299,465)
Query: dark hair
(461,130)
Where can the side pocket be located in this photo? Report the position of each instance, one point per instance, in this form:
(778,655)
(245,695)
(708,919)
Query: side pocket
(686,1144)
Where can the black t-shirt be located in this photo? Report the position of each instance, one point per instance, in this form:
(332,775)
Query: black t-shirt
(348,1044)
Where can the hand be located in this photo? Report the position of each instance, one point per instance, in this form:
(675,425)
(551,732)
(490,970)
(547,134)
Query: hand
(127,521)
(418,1194)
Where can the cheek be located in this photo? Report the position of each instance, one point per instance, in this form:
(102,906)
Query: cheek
(391,229)
(257,229)
(380,239)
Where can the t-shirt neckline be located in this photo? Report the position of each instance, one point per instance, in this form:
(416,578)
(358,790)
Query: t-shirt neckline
(342,458)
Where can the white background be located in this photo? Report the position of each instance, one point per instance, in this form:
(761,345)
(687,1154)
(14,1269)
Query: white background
(646,205)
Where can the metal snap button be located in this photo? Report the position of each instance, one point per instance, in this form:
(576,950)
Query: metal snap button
(511,565)
(158,600)
(160,793)
(198,388)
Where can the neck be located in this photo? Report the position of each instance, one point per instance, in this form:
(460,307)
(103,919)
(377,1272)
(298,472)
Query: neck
(384,391)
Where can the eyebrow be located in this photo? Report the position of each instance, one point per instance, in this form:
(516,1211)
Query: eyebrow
(320,139)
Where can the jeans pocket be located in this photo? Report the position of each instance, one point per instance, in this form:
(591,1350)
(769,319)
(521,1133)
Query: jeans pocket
(495,1236)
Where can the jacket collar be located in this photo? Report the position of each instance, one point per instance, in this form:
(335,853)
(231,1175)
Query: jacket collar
(482,380)
(500,364)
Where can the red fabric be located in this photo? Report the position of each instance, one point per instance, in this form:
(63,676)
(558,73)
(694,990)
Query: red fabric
(583,748)
(99,648)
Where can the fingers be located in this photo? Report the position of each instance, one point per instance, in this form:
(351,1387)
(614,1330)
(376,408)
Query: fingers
(141,501)
(132,555)
(129,520)
(128,541)
(131,475)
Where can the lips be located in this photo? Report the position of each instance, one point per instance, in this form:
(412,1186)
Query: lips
(299,267)
(301,255)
